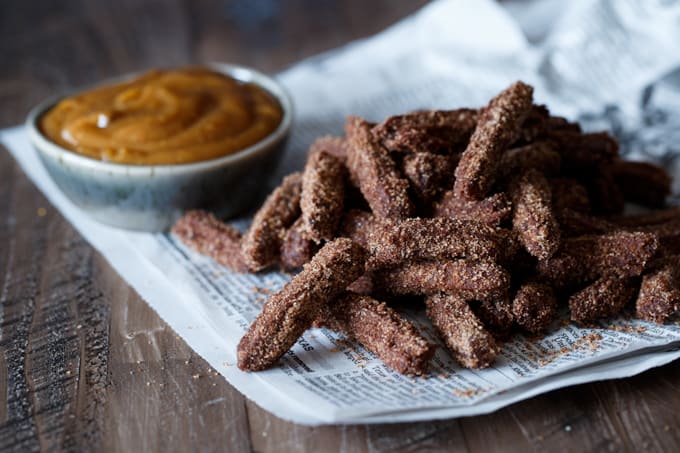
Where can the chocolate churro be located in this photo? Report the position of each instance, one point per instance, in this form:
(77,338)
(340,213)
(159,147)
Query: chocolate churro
(602,299)
(392,243)
(261,243)
(492,210)
(532,217)
(292,310)
(381,330)
(534,306)
(209,236)
(323,195)
(617,254)
(465,336)
(496,126)
(434,131)
(472,280)
(508,197)
(659,296)
(374,171)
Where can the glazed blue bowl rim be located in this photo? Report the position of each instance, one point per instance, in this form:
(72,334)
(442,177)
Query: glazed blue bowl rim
(242,73)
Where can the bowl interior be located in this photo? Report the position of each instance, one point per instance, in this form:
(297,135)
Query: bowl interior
(241,73)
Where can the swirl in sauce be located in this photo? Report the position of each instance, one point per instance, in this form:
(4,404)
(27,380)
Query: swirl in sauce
(164,117)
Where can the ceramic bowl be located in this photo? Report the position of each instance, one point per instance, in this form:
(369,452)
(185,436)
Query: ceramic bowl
(151,197)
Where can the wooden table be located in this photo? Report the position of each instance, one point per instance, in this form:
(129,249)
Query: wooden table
(86,364)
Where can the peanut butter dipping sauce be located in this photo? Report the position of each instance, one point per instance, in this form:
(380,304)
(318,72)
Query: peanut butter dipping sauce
(164,117)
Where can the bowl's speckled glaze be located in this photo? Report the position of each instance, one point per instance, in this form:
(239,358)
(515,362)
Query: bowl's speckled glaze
(151,197)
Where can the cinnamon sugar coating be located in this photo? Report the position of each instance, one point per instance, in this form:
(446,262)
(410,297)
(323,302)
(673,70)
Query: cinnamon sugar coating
(292,310)
(296,248)
(602,299)
(381,330)
(433,131)
(532,217)
(498,123)
(534,306)
(659,296)
(209,236)
(493,210)
(617,254)
(375,172)
(465,336)
(393,243)
(261,243)
(322,197)
(472,280)
(428,173)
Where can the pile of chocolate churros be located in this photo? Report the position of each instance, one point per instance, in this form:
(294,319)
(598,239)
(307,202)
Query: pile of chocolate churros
(490,219)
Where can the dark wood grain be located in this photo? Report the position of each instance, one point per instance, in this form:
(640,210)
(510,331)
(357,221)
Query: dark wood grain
(85,364)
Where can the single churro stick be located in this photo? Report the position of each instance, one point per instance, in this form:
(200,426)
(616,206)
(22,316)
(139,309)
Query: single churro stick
(532,217)
(617,254)
(649,218)
(429,173)
(540,156)
(261,243)
(602,299)
(642,182)
(534,306)
(463,333)
(336,146)
(209,236)
(381,330)
(392,243)
(292,310)
(296,248)
(567,193)
(497,125)
(472,280)
(323,196)
(659,296)
(434,131)
(375,173)
(492,210)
